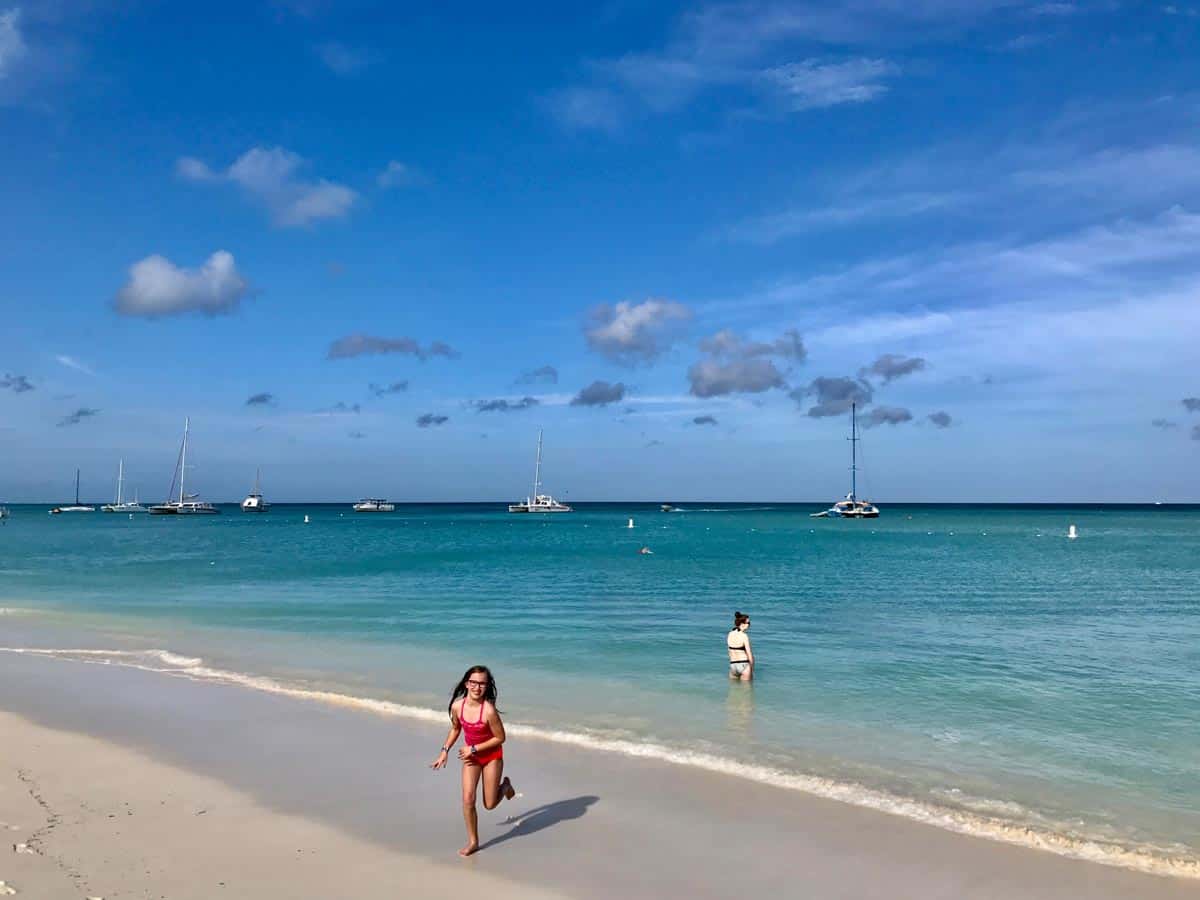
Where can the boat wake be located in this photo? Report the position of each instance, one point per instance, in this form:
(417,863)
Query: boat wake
(984,818)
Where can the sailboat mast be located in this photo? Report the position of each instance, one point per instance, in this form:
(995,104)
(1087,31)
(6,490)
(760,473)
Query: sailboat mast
(853,452)
(120,481)
(537,467)
(76,487)
(183,457)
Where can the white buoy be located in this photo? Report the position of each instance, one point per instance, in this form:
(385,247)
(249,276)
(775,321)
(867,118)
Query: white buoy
(1071,532)
(630,525)
(306,519)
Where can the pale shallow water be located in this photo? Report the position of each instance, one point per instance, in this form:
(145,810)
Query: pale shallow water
(968,666)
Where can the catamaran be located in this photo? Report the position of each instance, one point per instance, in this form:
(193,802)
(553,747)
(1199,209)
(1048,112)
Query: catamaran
(186,504)
(254,501)
(537,502)
(374,504)
(851,507)
(77,506)
(121,505)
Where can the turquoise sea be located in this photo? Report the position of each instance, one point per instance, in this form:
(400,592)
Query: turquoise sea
(964,665)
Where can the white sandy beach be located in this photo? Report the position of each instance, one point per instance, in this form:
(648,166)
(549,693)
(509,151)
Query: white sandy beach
(120,783)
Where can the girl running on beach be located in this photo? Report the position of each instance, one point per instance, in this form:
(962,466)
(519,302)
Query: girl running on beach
(483,753)
(737,642)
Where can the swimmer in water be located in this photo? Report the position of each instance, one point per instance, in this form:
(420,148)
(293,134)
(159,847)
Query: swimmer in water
(737,642)
(483,753)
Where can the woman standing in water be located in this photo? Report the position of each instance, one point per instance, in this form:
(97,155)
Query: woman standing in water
(483,752)
(737,642)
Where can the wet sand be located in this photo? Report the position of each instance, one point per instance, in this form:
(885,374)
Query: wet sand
(125,783)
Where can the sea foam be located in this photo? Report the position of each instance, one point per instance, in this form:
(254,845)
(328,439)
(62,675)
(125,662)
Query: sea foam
(1141,858)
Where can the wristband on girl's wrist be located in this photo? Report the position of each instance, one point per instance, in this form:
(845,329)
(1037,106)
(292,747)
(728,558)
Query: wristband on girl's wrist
(445,749)
(472,749)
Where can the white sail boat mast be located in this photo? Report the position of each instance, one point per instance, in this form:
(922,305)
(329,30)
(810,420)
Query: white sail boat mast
(853,451)
(537,469)
(183,457)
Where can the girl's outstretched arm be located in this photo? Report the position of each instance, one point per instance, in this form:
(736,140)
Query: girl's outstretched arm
(451,737)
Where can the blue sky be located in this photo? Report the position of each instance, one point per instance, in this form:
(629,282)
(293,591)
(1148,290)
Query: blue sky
(373,249)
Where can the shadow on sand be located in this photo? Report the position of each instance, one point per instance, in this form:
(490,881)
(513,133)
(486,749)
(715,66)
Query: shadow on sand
(541,817)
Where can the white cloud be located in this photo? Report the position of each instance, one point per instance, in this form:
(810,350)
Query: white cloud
(813,84)
(12,45)
(852,211)
(744,29)
(587,109)
(722,43)
(663,82)
(272,177)
(194,169)
(396,174)
(883,329)
(72,363)
(635,332)
(1080,266)
(157,287)
(1055,9)
(342,59)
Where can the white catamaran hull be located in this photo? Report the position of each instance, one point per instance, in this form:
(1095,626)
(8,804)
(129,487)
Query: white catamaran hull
(184,509)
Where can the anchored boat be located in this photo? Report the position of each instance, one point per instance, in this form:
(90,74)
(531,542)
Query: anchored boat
(538,502)
(254,501)
(75,507)
(121,505)
(185,504)
(374,504)
(851,507)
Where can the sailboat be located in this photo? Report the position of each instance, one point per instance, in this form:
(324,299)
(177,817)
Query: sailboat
(187,504)
(77,506)
(373,504)
(851,507)
(537,502)
(121,505)
(254,501)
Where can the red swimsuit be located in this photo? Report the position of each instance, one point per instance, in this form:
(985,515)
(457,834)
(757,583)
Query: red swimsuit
(478,732)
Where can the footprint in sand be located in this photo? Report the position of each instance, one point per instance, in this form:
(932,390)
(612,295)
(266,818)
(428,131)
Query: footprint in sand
(23,848)
(6,889)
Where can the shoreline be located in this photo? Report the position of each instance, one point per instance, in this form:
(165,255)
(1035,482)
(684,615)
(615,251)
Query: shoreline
(1144,859)
(345,768)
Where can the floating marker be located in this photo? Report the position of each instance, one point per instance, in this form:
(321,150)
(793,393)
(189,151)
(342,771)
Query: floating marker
(1071,532)
(630,525)
(306,519)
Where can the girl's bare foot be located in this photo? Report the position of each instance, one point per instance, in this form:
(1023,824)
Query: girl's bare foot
(468,850)
(507,789)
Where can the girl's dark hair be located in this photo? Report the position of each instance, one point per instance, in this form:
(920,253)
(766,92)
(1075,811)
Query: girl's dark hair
(740,618)
(460,690)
